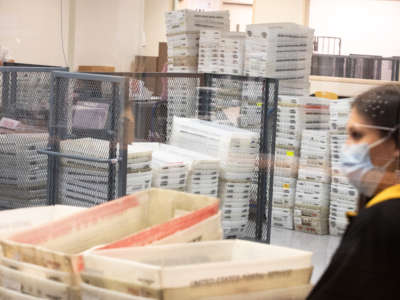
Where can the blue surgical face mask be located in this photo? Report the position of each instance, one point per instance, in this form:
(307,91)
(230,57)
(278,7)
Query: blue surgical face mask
(356,164)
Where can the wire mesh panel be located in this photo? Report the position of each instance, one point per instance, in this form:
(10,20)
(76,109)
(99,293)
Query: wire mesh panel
(87,144)
(250,104)
(24,109)
(197,112)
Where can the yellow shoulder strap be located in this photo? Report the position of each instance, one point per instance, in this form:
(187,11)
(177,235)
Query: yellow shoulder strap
(392,192)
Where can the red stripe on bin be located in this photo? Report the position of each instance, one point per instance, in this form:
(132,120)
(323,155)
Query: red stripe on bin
(52,230)
(164,230)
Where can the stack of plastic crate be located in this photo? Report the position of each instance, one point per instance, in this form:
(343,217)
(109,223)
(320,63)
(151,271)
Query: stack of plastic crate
(288,139)
(225,95)
(209,51)
(169,170)
(237,149)
(343,195)
(23,176)
(231,53)
(221,52)
(313,187)
(251,104)
(86,183)
(183,32)
(33,111)
(282,51)
(312,192)
(139,173)
(203,170)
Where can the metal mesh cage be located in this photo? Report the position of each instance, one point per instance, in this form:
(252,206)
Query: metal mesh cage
(24,107)
(87,146)
(87,136)
(219,100)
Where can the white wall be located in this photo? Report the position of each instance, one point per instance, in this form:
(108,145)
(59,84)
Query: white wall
(154,24)
(96,32)
(31,30)
(269,11)
(365,26)
(241,15)
(108,32)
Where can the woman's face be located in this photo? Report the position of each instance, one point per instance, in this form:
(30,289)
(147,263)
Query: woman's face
(357,133)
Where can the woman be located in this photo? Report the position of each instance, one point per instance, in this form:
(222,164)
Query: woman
(366,264)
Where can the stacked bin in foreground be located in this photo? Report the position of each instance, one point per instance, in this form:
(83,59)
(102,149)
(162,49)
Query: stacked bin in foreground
(237,149)
(343,195)
(223,270)
(45,261)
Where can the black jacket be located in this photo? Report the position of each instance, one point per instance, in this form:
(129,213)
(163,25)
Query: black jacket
(366,264)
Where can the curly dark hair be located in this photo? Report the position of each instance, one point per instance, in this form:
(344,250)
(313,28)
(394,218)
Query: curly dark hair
(381,107)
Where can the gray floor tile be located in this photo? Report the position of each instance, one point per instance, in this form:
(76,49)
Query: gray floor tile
(322,246)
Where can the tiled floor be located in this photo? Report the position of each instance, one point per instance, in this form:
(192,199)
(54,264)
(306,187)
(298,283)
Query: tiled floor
(322,246)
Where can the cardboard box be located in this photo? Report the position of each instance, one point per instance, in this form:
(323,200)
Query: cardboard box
(139,219)
(146,64)
(222,268)
(162,56)
(96,69)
